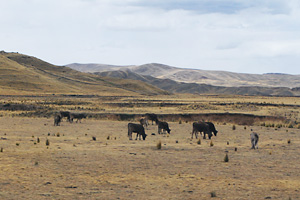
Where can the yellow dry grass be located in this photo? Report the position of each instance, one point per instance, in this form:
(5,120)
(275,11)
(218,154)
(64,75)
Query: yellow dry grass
(76,167)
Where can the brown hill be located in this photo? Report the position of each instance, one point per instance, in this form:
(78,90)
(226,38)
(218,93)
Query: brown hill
(22,74)
(194,88)
(209,77)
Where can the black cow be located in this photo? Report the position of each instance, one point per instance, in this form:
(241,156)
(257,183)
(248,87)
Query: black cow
(65,114)
(162,126)
(57,120)
(138,129)
(77,116)
(201,127)
(254,140)
(152,117)
(212,128)
(144,122)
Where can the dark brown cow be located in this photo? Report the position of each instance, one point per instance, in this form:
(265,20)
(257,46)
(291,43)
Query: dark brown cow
(201,127)
(163,126)
(212,128)
(77,116)
(144,122)
(65,114)
(152,117)
(57,120)
(138,129)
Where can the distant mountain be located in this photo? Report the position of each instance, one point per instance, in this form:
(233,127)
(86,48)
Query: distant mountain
(194,88)
(216,78)
(22,74)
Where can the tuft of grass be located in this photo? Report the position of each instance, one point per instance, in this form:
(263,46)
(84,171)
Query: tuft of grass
(158,145)
(199,141)
(107,137)
(38,140)
(289,141)
(47,142)
(17,144)
(180,122)
(226,158)
(227,143)
(211,143)
(58,134)
(233,127)
(245,127)
(1,150)
(213,194)
(235,149)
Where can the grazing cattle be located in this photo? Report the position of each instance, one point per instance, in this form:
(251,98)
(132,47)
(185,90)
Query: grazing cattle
(151,116)
(144,122)
(212,128)
(57,120)
(254,140)
(162,126)
(138,129)
(77,116)
(201,127)
(65,114)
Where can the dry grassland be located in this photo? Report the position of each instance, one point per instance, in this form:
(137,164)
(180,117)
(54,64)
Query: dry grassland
(74,166)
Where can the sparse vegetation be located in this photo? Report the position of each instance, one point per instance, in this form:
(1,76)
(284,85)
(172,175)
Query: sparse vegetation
(47,142)
(199,141)
(213,194)
(226,158)
(233,127)
(158,145)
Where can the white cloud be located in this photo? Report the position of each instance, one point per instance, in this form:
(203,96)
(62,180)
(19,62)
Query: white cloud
(232,35)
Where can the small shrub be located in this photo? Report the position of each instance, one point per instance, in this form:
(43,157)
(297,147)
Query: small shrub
(211,143)
(36,163)
(289,141)
(94,138)
(227,143)
(58,134)
(290,126)
(38,140)
(213,194)
(270,153)
(17,144)
(107,137)
(226,159)
(47,142)
(245,127)
(199,141)
(158,145)
(180,122)
(235,149)
(233,127)
(1,150)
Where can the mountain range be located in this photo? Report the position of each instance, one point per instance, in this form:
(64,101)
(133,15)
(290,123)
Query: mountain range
(180,80)
(210,77)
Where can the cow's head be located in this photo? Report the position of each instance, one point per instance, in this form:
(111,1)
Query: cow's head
(144,136)
(215,133)
(169,130)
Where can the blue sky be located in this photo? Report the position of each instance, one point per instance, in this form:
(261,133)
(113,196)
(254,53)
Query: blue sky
(257,36)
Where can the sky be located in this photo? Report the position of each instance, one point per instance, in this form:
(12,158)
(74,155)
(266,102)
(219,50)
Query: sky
(245,36)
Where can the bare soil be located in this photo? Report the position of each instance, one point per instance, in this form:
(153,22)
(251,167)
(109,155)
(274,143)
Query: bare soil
(74,166)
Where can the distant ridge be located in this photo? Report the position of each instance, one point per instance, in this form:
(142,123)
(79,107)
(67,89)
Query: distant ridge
(215,78)
(194,88)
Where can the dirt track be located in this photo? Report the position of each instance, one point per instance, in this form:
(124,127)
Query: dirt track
(76,167)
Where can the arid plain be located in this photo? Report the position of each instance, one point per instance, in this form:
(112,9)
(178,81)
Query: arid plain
(74,166)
